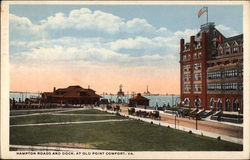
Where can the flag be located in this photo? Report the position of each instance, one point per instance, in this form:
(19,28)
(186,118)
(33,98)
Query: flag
(201,11)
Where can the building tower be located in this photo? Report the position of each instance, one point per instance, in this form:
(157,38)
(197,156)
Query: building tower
(196,59)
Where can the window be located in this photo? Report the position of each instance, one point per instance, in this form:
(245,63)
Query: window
(197,76)
(186,47)
(186,68)
(240,86)
(235,50)
(197,87)
(214,75)
(187,77)
(198,45)
(199,55)
(230,86)
(197,66)
(211,102)
(231,73)
(219,104)
(189,57)
(220,52)
(195,56)
(187,88)
(227,104)
(186,102)
(83,94)
(227,51)
(214,86)
(197,102)
(235,105)
(184,58)
(241,73)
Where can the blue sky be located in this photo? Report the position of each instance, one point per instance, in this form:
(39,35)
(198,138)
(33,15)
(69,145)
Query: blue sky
(119,38)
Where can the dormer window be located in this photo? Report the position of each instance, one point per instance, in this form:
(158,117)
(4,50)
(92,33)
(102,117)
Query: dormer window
(220,52)
(227,51)
(235,49)
(186,47)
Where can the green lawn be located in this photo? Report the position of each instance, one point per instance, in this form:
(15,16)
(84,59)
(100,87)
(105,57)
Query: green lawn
(46,118)
(131,135)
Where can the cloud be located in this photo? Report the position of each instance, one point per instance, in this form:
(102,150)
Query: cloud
(185,34)
(84,22)
(83,18)
(137,25)
(226,31)
(134,42)
(145,46)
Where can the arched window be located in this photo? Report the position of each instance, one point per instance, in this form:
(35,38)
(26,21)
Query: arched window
(227,104)
(219,104)
(212,102)
(235,105)
(197,102)
(186,102)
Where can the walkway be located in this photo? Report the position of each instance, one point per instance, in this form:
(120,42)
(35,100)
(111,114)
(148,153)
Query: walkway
(65,123)
(213,127)
(52,112)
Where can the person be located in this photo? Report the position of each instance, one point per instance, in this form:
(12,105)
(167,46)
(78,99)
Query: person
(168,106)
(145,107)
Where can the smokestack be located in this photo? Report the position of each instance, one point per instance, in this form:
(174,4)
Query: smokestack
(182,44)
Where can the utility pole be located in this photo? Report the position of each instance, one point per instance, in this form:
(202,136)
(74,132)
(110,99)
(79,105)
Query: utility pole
(196,119)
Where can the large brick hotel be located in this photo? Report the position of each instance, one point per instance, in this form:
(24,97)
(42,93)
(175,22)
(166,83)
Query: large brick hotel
(211,68)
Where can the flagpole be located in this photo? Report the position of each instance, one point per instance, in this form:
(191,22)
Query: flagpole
(207,15)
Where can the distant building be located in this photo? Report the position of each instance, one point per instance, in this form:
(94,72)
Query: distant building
(138,100)
(71,95)
(211,68)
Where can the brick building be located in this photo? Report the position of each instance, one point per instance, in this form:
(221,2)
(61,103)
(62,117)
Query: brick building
(71,95)
(211,70)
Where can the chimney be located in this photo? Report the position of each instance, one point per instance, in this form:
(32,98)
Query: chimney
(88,86)
(182,41)
(203,39)
(54,89)
(192,43)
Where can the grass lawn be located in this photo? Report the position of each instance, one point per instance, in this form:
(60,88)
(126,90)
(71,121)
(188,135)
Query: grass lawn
(46,118)
(131,135)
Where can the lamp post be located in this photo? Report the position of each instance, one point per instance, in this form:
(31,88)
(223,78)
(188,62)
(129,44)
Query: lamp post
(196,121)
(175,122)
(238,114)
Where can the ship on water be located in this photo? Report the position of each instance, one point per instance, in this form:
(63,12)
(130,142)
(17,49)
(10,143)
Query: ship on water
(147,93)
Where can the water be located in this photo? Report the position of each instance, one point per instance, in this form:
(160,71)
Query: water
(22,95)
(153,100)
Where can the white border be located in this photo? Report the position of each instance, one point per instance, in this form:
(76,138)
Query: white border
(138,155)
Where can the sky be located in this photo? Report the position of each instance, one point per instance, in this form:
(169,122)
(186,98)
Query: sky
(106,45)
